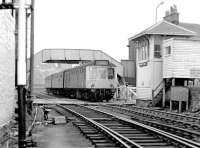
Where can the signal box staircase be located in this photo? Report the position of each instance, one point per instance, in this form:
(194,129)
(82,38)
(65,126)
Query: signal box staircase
(157,93)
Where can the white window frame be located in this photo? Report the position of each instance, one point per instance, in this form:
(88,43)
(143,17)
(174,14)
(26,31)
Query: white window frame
(143,53)
(167,50)
(157,52)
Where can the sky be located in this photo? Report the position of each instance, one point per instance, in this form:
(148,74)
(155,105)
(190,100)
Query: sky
(101,24)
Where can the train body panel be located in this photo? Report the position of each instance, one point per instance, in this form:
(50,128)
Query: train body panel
(48,81)
(57,80)
(85,82)
(75,78)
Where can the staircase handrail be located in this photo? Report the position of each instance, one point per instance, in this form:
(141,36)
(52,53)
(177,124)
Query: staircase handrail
(157,89)
(130,89)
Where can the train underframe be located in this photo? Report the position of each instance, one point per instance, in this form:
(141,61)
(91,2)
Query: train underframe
(94,95)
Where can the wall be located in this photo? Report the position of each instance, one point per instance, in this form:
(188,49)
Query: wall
(185,59)
(167,60)
(7,68)
(150,75)
(195,99)
(157,63)
(144,76)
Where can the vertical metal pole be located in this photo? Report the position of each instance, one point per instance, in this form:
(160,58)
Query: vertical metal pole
(179,106)
(21,71)
(170,105)
(31,78)
(157,10)
(21,63)
(163,100)
(22,115)
(16,44)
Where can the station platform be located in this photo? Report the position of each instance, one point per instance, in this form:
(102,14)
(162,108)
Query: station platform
(58,101)
(75,101)
(60,135)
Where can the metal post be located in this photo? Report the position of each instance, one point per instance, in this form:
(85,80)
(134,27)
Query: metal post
(187,106)
(16,44)
(173,81)
(31,78)
(21,71)
(170,106)
(157,10)
(163,100)
(22,116)
(180,106)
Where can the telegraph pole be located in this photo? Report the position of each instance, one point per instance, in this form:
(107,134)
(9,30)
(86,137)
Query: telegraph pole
(31,78)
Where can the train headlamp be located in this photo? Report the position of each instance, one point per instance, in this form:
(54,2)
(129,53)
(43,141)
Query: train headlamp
(111,85)
(92,86)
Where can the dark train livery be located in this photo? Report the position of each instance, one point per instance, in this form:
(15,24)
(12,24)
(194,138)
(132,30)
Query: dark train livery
(94,81)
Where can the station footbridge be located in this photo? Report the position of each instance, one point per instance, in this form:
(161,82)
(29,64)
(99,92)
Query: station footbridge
(76,56)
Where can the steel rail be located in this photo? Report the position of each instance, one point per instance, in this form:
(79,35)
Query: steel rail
(176,138)
(172,115)
(164,114)
(150,130)
(122,140)
(183,130)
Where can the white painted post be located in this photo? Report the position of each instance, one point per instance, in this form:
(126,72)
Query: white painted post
(163,102)
(21,63)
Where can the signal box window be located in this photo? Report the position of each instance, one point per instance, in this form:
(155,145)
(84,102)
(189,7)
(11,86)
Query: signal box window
(110,73)
(168,50)
(157,51)
(143,53)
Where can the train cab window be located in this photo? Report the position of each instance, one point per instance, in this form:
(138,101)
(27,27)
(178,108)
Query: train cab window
(110,73)
(102,73)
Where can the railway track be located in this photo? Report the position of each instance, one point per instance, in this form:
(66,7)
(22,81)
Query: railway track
(44,95)
(124,132)
(181,125)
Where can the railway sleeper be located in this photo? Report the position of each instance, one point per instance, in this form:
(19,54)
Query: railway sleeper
(130,135)
(121,127)
(155,144)
(129,132)
(96,138)
(142,138)
(147,140)
(104,145)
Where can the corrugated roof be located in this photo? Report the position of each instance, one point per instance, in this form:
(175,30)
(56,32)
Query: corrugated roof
(167,28)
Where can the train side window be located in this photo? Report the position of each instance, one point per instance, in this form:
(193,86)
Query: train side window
(110,73)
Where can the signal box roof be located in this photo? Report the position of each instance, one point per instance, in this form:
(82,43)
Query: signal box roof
(167,28)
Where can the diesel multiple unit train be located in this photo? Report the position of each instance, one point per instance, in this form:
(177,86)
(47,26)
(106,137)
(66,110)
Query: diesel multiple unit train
(94,81)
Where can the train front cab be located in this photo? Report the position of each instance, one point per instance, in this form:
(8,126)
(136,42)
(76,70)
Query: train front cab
(101,81)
